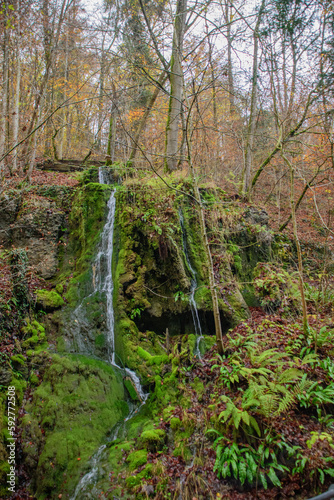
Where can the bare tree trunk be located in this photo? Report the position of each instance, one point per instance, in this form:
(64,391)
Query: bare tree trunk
(34,148)
(5,66)
(112,136)
(299,252)
(176,84)
(214,110)
(228,22)
(246,181)
(65,110)
(51,39)
(16,118)
(101,93)
(142,124)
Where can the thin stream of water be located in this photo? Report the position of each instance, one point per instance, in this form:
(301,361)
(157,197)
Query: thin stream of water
(103,282)
(193,286)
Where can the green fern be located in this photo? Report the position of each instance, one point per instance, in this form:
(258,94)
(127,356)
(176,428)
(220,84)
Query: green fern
(265,358)
(272,398)
(246,463)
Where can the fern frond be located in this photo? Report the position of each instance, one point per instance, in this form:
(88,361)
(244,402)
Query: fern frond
(269,404)
(290,375)
(286,403)
(265,358)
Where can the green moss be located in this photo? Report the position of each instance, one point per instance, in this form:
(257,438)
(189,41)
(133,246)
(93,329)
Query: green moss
(153,438)
(131,390)
(182,451)
(167,412)
(137,479)
(60,288)
(209,342)
(79,401)
(86,221)
(100,340)
(203,298)
(33,379)
(152,360)
(18,359)
(61,346)
(199,387)
(189,343)
(175,423)
(144,354)
(136,459)
(117,452)
(49,300)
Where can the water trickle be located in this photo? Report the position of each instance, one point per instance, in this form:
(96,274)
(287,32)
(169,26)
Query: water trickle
(91,476)
(103,282)
(193,286)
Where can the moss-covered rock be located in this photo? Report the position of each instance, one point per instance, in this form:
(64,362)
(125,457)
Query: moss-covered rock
(49,300)
(34,336)
(153,439)
(136,459)
(79,401)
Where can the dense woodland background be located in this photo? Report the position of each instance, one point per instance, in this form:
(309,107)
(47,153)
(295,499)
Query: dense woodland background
(240,89)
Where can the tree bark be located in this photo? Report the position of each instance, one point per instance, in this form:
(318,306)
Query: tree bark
(176,84)
(5,66)
(142,124)
(228,21)
(246,181)
(299,252)
(112,130)
(16,119)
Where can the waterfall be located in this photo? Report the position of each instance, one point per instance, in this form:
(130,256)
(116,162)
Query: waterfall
(103,273)
(193,286)
(103,282)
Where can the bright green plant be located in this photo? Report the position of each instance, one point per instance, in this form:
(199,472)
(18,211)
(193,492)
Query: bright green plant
(316,395)
(327,364)
(317,466)
(324,338)
(236,416)
(275,288)
(136,311)
(179,295)
(247,463)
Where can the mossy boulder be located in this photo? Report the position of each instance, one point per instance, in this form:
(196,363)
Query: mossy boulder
(153,439)
(79,401)
(49,300)
(136,459)
(19,363)
(34,336)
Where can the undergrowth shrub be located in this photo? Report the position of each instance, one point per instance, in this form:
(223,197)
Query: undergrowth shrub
(276,288)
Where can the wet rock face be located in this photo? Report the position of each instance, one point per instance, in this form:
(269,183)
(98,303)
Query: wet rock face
(35,225)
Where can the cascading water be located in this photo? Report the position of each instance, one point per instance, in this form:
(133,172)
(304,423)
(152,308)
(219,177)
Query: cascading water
(103,282)
(193,286)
